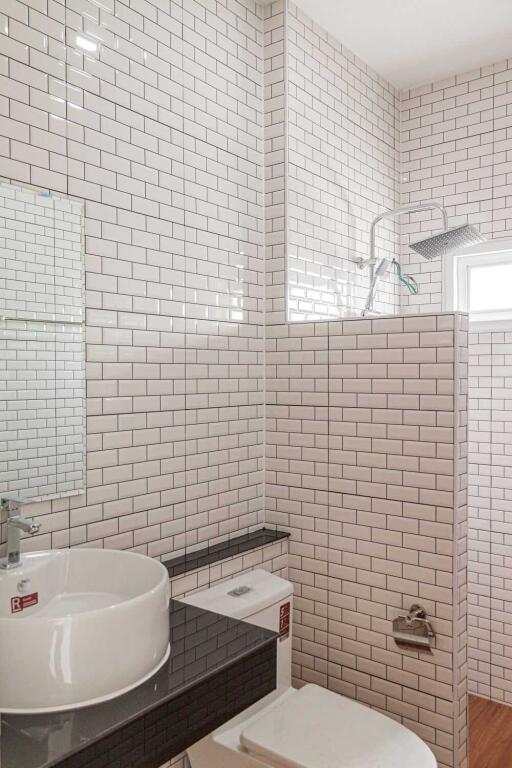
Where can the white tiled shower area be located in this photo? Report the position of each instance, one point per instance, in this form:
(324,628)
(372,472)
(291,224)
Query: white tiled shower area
(447,141)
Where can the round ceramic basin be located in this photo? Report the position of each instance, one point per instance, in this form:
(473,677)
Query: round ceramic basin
(80,626)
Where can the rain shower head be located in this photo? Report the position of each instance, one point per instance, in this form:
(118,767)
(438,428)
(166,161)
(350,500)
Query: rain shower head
(448,242)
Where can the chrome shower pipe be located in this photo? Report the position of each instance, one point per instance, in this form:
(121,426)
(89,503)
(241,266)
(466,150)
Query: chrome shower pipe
(412,208)
(372,260)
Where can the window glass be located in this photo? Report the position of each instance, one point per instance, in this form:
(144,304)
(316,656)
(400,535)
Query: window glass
(490,287)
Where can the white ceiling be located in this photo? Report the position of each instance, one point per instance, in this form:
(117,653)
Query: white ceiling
(412,42)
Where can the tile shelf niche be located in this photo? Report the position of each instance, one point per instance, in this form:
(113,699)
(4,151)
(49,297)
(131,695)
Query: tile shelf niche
(207,555)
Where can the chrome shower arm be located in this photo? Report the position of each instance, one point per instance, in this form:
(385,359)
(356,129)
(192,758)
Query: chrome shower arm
(412,208)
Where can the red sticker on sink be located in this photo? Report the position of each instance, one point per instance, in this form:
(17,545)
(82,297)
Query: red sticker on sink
(25,601)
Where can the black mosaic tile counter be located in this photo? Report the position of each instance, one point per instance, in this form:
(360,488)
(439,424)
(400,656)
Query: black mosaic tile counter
(217,667)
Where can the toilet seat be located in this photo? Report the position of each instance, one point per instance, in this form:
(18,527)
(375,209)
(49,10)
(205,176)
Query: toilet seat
(316,728)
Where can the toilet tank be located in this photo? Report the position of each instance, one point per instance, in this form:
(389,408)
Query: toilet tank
(260,598)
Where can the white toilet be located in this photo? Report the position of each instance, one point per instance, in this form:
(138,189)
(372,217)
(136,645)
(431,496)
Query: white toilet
(306,728)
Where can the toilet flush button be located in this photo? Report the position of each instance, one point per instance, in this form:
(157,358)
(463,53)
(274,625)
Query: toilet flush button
(239,591)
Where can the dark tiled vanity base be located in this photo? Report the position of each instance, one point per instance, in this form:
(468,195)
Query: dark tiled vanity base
(237,545)
(155,738)
(217,668)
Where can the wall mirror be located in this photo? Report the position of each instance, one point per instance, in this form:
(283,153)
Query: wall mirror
(42,360)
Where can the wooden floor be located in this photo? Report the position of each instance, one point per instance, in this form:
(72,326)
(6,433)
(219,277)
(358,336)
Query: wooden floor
(490,734)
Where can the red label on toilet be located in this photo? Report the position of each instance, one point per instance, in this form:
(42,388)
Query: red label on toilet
(25,601)
(284,621)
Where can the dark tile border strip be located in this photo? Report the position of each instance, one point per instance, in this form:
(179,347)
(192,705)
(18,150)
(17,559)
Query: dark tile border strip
(235,546)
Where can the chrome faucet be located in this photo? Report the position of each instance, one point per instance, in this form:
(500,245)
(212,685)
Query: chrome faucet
(15,524)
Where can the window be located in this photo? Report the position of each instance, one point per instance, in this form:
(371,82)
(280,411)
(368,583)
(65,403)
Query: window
(479,281)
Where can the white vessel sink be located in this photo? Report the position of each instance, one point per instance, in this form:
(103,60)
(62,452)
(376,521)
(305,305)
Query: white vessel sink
(99,628)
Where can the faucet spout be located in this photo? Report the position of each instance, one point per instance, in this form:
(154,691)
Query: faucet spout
(15,524)
(25,524)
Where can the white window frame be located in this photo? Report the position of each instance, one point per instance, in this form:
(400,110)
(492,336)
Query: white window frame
(456,275)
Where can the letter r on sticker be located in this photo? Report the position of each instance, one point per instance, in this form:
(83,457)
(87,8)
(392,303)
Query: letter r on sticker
(16,604)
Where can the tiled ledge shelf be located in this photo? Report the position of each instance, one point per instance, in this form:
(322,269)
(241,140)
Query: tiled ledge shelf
(217,667)
(200,558)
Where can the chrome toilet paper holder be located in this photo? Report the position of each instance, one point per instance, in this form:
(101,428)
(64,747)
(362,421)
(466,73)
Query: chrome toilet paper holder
(414,629)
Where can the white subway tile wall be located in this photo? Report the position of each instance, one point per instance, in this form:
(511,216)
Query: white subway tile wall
(490,505)
(455,143)
(343,122)
(479,514)
(275,135)
(460,546)
(455,149)
(352,168)
(366,441)
(501,508)
(152,114)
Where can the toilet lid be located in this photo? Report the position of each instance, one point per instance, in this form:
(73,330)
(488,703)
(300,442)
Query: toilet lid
(316,728)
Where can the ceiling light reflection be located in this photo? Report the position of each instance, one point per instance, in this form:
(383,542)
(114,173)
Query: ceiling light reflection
(86,44)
